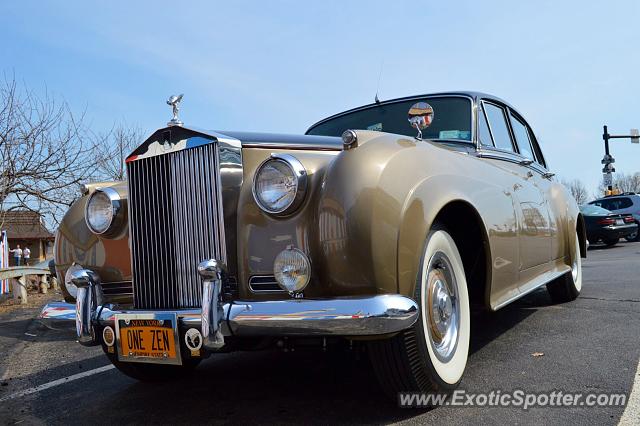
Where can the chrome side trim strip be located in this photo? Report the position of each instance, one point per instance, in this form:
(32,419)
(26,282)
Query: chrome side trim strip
(534,285)
(264,284)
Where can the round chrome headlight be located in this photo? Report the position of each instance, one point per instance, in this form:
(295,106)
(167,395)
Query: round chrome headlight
(280,184)
(292,270)
(105,212)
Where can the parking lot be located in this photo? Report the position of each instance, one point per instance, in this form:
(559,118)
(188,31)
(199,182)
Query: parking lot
(590,345)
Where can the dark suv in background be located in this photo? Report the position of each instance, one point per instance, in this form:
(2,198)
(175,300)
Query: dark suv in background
(627,203)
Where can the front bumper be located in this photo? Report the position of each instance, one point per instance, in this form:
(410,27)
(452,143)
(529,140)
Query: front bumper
(362,316)
(348,316)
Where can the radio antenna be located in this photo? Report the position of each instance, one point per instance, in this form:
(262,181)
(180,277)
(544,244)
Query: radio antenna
(379,78)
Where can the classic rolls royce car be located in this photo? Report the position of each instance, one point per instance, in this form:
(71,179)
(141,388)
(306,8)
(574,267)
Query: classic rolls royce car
(381,225)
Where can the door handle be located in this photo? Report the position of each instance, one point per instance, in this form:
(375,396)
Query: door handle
(529,174)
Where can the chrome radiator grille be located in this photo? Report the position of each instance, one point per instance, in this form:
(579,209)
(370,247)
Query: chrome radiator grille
(176,221)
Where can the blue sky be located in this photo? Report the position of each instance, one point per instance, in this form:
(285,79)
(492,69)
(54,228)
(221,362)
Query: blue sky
(279,66)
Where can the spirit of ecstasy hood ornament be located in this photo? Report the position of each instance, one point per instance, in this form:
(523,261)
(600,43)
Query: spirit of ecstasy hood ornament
(174,101)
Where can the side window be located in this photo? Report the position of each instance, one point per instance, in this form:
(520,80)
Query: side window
(625,203)
(607,204)
(499,129)
(522,138)
(484,135)
(614,203)
(536,148)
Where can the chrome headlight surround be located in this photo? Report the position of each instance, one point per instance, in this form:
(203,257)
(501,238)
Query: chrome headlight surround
(118,212)
(299,175)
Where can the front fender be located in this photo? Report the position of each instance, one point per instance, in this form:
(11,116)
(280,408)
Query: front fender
(419,213)
(379,201)
(75,243)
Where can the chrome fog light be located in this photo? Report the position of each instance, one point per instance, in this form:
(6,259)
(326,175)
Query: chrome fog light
(292,270)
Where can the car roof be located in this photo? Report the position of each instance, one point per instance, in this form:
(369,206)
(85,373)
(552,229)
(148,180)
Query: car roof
(611,197)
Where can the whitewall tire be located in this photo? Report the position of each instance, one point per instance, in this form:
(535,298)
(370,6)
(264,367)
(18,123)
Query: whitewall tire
(431,355)
(567,287)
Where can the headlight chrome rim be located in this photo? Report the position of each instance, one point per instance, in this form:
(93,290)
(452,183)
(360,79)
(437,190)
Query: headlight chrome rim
(298,172)
(118,215)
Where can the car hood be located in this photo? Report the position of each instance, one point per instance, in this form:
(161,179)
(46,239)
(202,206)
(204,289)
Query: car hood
(279,140)
(176,138)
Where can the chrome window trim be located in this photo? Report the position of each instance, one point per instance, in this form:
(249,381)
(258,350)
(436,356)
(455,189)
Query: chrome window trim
(480,110)
(119,219)
(301,184)
(532,139)
(485,151)
(515,158)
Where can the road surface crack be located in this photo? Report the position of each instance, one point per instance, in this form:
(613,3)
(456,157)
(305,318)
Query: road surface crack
(610,300)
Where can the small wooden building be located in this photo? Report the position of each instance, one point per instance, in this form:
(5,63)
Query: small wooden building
(26,229)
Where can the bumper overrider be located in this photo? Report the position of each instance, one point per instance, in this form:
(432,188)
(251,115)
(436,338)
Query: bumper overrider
(344,316)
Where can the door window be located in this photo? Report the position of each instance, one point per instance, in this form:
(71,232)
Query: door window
(522,138)
(484,135)
(498,125)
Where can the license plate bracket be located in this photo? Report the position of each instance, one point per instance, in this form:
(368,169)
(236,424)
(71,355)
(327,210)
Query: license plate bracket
(148,338)
(619,221)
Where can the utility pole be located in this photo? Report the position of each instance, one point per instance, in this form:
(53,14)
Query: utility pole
(608,159)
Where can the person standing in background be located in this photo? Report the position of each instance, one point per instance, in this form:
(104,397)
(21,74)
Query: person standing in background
(17,254)
(26,256)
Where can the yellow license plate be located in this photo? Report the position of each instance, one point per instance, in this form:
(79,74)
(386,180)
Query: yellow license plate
(148,338)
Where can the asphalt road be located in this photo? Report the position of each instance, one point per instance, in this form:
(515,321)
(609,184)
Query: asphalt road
(590,345)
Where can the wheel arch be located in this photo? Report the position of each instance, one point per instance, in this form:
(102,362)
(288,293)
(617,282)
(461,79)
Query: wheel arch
(470,236)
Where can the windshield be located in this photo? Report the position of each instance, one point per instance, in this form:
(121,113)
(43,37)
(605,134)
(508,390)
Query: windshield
(451,119)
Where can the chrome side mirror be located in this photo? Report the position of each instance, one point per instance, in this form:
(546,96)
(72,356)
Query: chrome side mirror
(420,117)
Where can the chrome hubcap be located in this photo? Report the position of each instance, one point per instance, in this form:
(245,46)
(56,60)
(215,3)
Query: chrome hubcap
(443,307)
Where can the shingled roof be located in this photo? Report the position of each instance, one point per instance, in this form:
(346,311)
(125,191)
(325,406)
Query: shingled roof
(24,224)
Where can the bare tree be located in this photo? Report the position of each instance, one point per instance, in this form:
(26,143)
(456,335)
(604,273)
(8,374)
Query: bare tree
(628,182)
(112,148)
(578,190)
(623,182)
(44,152)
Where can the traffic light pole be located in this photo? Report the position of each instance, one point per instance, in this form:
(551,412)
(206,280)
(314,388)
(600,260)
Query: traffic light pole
(608,160)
